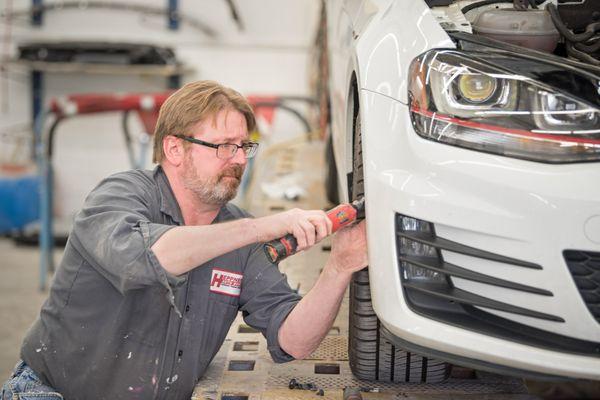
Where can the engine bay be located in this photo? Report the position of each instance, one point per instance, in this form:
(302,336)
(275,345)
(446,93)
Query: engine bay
(566,28)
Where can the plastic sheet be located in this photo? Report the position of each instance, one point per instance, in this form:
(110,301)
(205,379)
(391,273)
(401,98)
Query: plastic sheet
(19,201)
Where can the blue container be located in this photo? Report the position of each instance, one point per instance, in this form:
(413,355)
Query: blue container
(19,201)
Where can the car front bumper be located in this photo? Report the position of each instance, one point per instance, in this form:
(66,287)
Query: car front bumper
(523,210)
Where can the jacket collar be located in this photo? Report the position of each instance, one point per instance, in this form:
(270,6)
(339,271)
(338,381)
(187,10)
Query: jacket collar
(168,203)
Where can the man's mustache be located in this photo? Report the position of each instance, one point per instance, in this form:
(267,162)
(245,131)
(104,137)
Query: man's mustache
(235,171)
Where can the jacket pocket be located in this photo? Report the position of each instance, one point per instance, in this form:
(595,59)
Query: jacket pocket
(219,316)
(147,316)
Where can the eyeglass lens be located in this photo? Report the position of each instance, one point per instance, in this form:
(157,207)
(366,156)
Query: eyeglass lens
(228,150)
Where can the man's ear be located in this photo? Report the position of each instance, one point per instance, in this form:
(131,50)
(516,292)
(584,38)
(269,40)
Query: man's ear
(174,151)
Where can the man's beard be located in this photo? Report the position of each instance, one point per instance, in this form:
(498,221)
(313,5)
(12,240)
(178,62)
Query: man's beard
(218,190)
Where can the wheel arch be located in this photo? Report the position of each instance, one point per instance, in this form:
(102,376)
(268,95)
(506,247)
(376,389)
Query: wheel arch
(353,106)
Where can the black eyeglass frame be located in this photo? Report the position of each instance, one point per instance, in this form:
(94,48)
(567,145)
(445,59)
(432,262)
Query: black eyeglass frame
(252,145)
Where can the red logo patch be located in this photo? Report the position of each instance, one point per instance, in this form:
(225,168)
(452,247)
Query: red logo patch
(226,282)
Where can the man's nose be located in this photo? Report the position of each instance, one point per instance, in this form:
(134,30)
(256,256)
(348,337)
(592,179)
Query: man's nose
(239,157)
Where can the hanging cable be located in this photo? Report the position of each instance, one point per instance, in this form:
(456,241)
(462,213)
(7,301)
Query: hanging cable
(473,6)
(579,46)
(580,55)
(590,30)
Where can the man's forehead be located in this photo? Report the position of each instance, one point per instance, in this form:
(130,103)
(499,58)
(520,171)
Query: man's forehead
(228,116)
(226,124)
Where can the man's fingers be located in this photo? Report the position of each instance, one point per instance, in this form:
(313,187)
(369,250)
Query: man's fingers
(320,218)
(327,221)
(329,225)
(308,226)
(320,226)
(310,231)
(360,229)
(322,231)
(300,236)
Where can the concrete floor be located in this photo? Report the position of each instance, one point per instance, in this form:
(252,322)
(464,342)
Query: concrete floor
(20,298)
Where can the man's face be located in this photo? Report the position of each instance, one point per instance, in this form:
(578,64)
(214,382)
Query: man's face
(214,180)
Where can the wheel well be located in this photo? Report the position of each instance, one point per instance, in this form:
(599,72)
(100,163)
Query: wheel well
(353,109)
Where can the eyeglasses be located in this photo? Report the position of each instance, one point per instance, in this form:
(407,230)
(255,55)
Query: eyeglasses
(225,151)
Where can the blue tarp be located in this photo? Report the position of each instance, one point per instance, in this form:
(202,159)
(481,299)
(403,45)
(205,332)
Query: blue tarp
(19,201)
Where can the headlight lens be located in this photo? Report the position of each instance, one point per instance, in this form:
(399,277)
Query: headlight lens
(476,88)
(459,100)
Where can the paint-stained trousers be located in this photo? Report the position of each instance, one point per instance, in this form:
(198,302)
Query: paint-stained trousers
(25,385)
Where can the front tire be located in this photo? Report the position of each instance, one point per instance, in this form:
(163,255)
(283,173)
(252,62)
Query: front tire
(371,355)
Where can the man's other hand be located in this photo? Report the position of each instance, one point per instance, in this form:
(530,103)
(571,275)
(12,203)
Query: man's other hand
(349,249)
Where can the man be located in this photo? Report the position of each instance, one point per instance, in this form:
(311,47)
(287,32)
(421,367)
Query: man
(158,264)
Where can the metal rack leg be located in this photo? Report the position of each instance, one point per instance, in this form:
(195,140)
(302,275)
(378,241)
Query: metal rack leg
(46,239)
(46,220)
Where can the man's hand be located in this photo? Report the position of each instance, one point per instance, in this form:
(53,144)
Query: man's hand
(308,323)
(308,226)
(349,249)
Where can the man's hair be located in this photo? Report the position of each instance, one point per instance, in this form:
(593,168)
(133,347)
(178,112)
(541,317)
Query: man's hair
(193,103)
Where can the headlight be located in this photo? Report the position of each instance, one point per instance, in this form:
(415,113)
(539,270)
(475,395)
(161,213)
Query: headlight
(463,101)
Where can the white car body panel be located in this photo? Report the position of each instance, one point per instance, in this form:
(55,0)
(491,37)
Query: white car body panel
(387,47)
(520,209)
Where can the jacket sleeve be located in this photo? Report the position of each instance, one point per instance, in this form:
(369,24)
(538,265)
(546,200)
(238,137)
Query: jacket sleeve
(266,300)
(115,231)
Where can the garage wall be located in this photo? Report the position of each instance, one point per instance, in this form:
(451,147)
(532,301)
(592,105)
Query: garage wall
(271,56)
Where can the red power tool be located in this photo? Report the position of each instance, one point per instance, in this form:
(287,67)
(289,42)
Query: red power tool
(341,216)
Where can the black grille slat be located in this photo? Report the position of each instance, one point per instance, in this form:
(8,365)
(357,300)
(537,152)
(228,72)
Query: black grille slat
(585,270)
(575,256)
(468,298)
(444,244)
(455,270)
(591,297)
(579,270)
(586,284)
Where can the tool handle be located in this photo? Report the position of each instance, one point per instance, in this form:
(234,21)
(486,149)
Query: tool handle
(281,248)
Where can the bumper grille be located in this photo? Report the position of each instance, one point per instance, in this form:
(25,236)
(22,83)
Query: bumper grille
(585,269)
(440,300)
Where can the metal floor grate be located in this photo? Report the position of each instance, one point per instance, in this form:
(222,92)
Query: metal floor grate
(333,348)
(456,387)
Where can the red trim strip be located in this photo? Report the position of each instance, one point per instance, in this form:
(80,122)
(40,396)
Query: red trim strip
(495,128)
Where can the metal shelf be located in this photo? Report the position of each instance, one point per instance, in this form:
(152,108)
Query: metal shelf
(106,69)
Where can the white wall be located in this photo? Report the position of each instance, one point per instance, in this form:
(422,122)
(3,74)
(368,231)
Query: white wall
(271,56)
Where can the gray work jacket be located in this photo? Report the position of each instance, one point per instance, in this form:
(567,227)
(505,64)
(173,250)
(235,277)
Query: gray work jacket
(116,325)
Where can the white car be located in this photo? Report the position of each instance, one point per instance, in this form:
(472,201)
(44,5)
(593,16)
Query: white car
(473,130)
